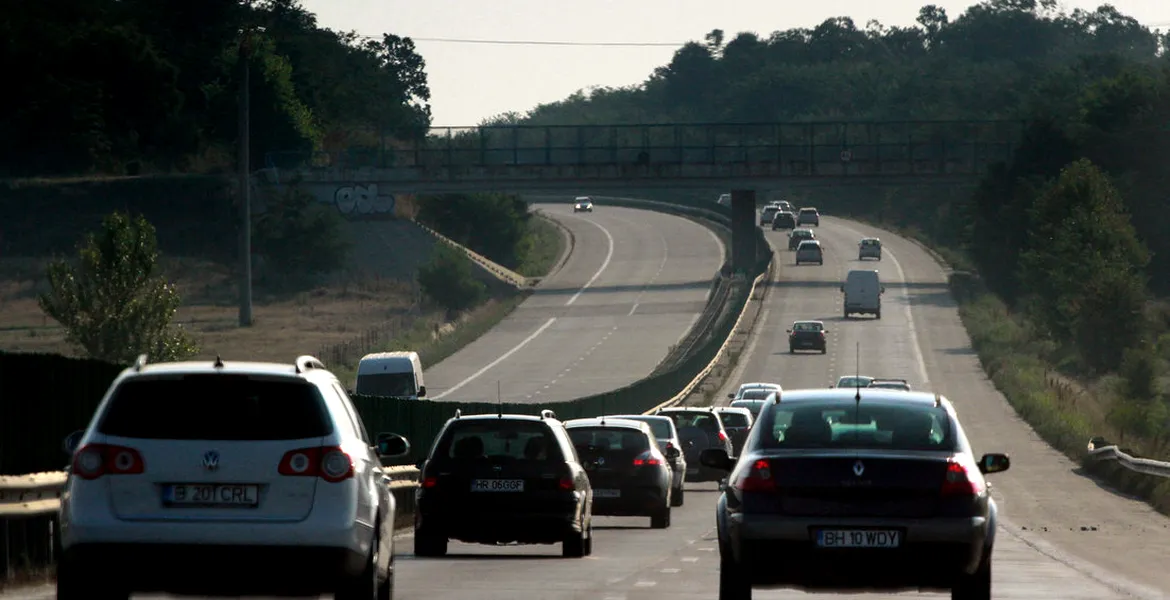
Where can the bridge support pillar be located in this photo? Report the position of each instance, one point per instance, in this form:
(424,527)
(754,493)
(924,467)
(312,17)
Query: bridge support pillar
(743,225)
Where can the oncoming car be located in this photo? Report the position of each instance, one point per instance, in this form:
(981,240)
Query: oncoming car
(583,204)
(856,490)
(261,472)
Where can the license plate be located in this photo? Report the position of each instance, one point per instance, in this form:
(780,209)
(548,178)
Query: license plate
(607,493)
(497,485)
(199,494)
(858,538)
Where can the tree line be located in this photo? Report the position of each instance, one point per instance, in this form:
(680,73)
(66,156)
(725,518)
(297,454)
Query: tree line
(136,86)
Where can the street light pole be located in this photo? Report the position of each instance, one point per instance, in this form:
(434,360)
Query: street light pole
(244,149)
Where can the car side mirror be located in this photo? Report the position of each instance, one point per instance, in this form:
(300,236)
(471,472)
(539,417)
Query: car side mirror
(842,288)
(422,391)
(392,445)
(787,331)
(883,289)
(672,453)
(716,458)
(72,441)
(994,463)
(732,396)
(824,331)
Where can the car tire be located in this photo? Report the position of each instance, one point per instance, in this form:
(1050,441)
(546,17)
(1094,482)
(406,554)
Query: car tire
(791,350)
(661,518)
(824,350)
(976,586)
(429,545)
(364,586)
(589,541)
(878,314)
(733,582)
(574,545)
(678,497)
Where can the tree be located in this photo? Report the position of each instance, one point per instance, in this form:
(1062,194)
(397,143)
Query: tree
(112,302)
(449,281)
(298,236)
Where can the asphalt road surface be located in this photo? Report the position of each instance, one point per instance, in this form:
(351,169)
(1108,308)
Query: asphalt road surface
(1041,552)
(634,284)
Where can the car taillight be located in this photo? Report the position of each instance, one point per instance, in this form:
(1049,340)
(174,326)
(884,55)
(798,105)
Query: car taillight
(639,462)
(330,463)
(958,481)
(758,479)
(430,482)
(722,436)
(95,460)
(566,484)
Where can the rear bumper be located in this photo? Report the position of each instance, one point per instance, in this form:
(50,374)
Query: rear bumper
(933,555)
(214,569)
(522,527)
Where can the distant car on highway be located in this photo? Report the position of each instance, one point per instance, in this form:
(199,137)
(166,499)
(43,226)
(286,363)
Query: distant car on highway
(767,214)
(807,335)
(500,479)
(890,384)
(869,248)
(783,220)
(754,390)
(738,423)
(854,381)
(251,467)
(808,215)
(881,493)
(796,236)
(627,470)
(753,406)
(667,435)
(583,204)
(699,429)
(810,251)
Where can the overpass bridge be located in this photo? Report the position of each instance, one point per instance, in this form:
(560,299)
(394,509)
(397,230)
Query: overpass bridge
(584,159)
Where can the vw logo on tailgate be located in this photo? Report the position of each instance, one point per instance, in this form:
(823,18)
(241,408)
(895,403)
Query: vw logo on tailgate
(211,460)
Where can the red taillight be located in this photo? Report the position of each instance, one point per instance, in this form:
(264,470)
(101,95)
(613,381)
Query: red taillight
(638,462)
(430,482)
(567,484)
(958,482)
(330,463)
(722,436)
(758,479)
(95,460)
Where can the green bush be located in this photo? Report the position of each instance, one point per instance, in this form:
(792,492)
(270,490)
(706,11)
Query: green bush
(298,237)
(448,280)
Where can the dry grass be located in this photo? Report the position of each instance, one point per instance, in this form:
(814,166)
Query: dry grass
(284,326)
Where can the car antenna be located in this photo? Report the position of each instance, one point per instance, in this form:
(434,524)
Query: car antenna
(857,374)
(499,401)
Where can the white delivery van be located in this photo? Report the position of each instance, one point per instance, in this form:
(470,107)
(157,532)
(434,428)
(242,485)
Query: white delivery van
(398,374)
(863,293)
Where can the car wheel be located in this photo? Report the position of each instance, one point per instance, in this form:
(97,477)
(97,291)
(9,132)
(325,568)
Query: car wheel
(364,586)
(589,541)
(429,545)
(791,350)
(733,582)
(878,314)
(661,519)
(976,586)
(824,350)
(574,544)
(678,497)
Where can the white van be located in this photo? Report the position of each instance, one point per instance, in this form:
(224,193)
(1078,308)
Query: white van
(398,374)
(863,293)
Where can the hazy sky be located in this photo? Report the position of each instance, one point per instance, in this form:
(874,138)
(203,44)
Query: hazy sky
(470,82)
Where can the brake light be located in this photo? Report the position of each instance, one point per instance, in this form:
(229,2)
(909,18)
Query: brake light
(567,484)
(639,462)
(95,460)
(958,481)
(722,436)
(758,479)
(430,482)
(330,463)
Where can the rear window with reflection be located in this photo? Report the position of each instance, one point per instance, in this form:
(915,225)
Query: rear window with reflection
(807,425)
(499,439)
(661,428)
(734,419)
(216,407)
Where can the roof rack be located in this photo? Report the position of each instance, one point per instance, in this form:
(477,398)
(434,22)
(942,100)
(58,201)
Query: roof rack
(307,362)
(937,399)
(547,414)
(140,362)
(777,395)
(458,412)
(218,364)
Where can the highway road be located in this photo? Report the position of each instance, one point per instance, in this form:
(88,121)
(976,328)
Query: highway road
(634,284)
(1042,552)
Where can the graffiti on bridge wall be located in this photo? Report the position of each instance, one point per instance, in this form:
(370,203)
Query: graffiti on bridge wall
(360,200)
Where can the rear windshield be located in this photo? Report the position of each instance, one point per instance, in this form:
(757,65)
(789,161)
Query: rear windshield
(659,427)
(499,439)
(890,385)
(898,426)
(734,419)
(386,384)
(216,407)
(609,439)
(807,211)
(702,420)
(759,394)
(807,327)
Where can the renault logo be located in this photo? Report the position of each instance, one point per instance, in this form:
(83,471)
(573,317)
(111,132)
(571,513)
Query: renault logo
(858,468)
(211,460)
(600,461)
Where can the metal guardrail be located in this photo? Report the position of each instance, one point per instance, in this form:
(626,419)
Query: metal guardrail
(38,494)
(495,269)
(1101,450)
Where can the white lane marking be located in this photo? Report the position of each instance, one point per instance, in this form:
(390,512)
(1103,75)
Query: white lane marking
(632,309)
(670,571)
(646,583)
(604,264)
(499,360)
(690,559)
(916,345)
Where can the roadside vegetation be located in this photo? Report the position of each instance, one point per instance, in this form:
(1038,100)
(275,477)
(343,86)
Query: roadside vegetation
(1062,253)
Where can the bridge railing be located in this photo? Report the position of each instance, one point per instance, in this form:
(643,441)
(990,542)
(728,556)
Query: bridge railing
(829,148)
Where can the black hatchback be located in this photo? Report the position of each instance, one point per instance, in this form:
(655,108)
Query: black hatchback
(807,335)
(630,474)
(499,479)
